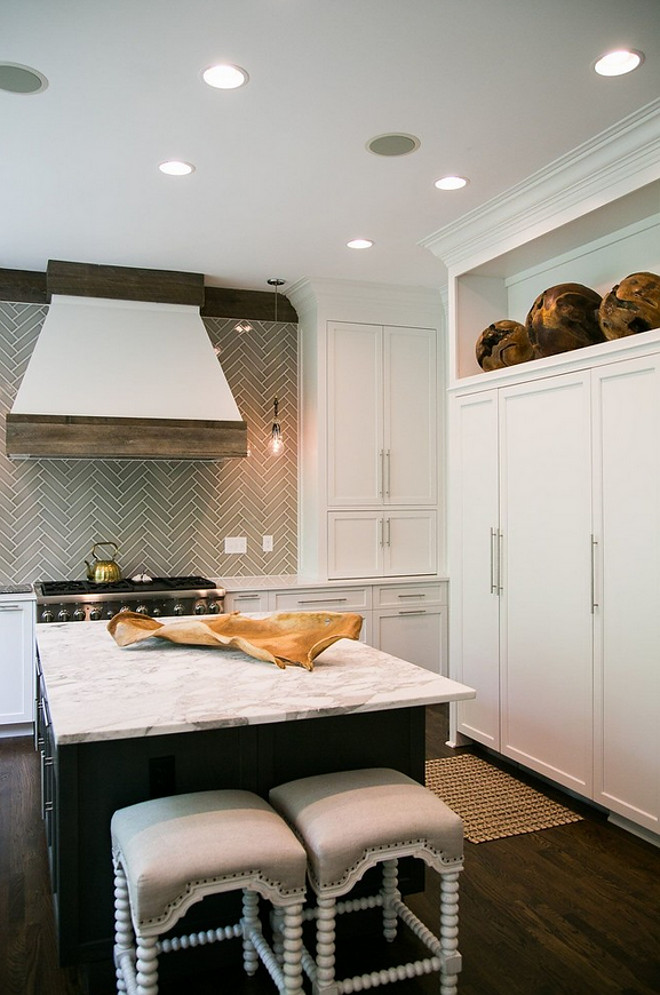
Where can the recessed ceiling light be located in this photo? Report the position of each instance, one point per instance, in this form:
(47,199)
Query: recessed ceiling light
(225,77)
(451,182)
(360,243)
(393,144)
(175,167)
(619,62)
(21,79)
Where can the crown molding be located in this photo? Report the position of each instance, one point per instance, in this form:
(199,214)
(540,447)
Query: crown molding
(608,166)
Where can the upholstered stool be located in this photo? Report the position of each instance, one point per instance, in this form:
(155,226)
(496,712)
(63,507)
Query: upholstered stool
(351,821)
(169,853)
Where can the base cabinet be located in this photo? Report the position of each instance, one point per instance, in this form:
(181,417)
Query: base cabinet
(555,562)
(17,618)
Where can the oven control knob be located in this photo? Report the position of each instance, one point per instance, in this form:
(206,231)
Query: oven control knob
(63,615)
(125,608)
(214,608)
(110,613)
(94,614)
(156,612)
(142,610)
(79,615)
(47,615)
(178,609)
(200,608)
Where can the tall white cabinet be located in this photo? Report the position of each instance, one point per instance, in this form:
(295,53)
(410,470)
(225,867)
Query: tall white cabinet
(370,457)
(554,484)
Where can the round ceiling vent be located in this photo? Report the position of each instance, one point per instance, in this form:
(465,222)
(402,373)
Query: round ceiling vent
(21,79)
(393,144)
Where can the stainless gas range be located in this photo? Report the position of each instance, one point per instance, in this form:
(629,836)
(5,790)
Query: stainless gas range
(84,601)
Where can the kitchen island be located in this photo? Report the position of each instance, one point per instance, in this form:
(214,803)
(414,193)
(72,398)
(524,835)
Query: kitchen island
(118,726)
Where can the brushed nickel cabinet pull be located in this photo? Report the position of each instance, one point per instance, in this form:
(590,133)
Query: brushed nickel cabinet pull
(380,533)
(594,550)
(413,611)
(500,548)
(388,473)
(389,531)
(417,595)
(322,601)
(493,585)
(381,491)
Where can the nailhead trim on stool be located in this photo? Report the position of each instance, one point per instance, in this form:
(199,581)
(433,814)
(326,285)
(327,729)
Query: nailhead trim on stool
(353,820)
(171,852)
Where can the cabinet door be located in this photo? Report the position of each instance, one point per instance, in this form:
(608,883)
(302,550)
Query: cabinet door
(415,634)
(410,543)
(354,406)
(409,416)
(16,661)
(355,544)
(546,628)
(626,407)
(473,534)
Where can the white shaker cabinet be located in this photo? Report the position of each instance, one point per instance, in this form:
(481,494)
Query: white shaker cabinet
(381,543)
(626,409)
(410,622)
(381,415)
(520,564)
(17,619)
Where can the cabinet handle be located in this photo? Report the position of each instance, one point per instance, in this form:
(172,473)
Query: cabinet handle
(493,554)
(413,611)
(389,532)
(10,608)
(594,550)
(246,597)
(322,601)
(388,473)
(381,491)
(419,595)
(380,532)
(500,558)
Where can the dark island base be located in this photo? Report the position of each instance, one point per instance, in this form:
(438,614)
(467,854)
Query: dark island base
(94,779)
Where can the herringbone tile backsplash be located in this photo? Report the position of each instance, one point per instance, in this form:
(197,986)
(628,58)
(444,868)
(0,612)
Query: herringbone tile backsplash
(168,517)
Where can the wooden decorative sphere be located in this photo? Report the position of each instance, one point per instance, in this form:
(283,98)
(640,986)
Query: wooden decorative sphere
(564,317)
(631,306)
(504,343)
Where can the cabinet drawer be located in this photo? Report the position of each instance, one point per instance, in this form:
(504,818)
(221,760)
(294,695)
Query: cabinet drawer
(410,595)
(332,599)
(247,601)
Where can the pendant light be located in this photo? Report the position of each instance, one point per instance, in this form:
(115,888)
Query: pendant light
(275,443)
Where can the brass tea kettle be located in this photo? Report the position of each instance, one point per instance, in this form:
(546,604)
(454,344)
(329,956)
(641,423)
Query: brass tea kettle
(103,571)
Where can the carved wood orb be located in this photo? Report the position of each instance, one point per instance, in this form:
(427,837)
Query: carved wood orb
(564,317)
(631,306)
(504,343)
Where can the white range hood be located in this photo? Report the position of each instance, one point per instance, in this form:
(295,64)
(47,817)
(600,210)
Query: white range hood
(124,379)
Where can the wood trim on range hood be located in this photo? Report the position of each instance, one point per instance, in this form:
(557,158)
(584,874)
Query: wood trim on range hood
(124,369)
(70,437)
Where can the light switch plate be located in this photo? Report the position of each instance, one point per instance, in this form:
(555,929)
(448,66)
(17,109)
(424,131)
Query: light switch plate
(267,544)
(235,544)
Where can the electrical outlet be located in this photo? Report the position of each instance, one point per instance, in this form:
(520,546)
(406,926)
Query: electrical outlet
(235,544)
(267,544)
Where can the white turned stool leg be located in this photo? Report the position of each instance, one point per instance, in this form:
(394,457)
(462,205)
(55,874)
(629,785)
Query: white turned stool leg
(147,965)
(449,933)
(325,947)
(124,935)
(291,923)
(250,923)
(390,894)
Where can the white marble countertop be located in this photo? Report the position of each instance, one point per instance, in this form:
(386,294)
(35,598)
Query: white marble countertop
(99,691)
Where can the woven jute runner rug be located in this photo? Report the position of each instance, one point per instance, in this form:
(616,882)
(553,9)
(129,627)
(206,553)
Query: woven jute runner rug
(491,803)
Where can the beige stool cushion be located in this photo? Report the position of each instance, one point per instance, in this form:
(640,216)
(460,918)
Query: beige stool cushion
(341,817)
(172,847)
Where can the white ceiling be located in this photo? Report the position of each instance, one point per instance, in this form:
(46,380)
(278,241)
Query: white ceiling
(494,89)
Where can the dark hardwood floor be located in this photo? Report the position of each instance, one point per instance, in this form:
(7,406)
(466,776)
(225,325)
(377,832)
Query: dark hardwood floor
(573,910)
